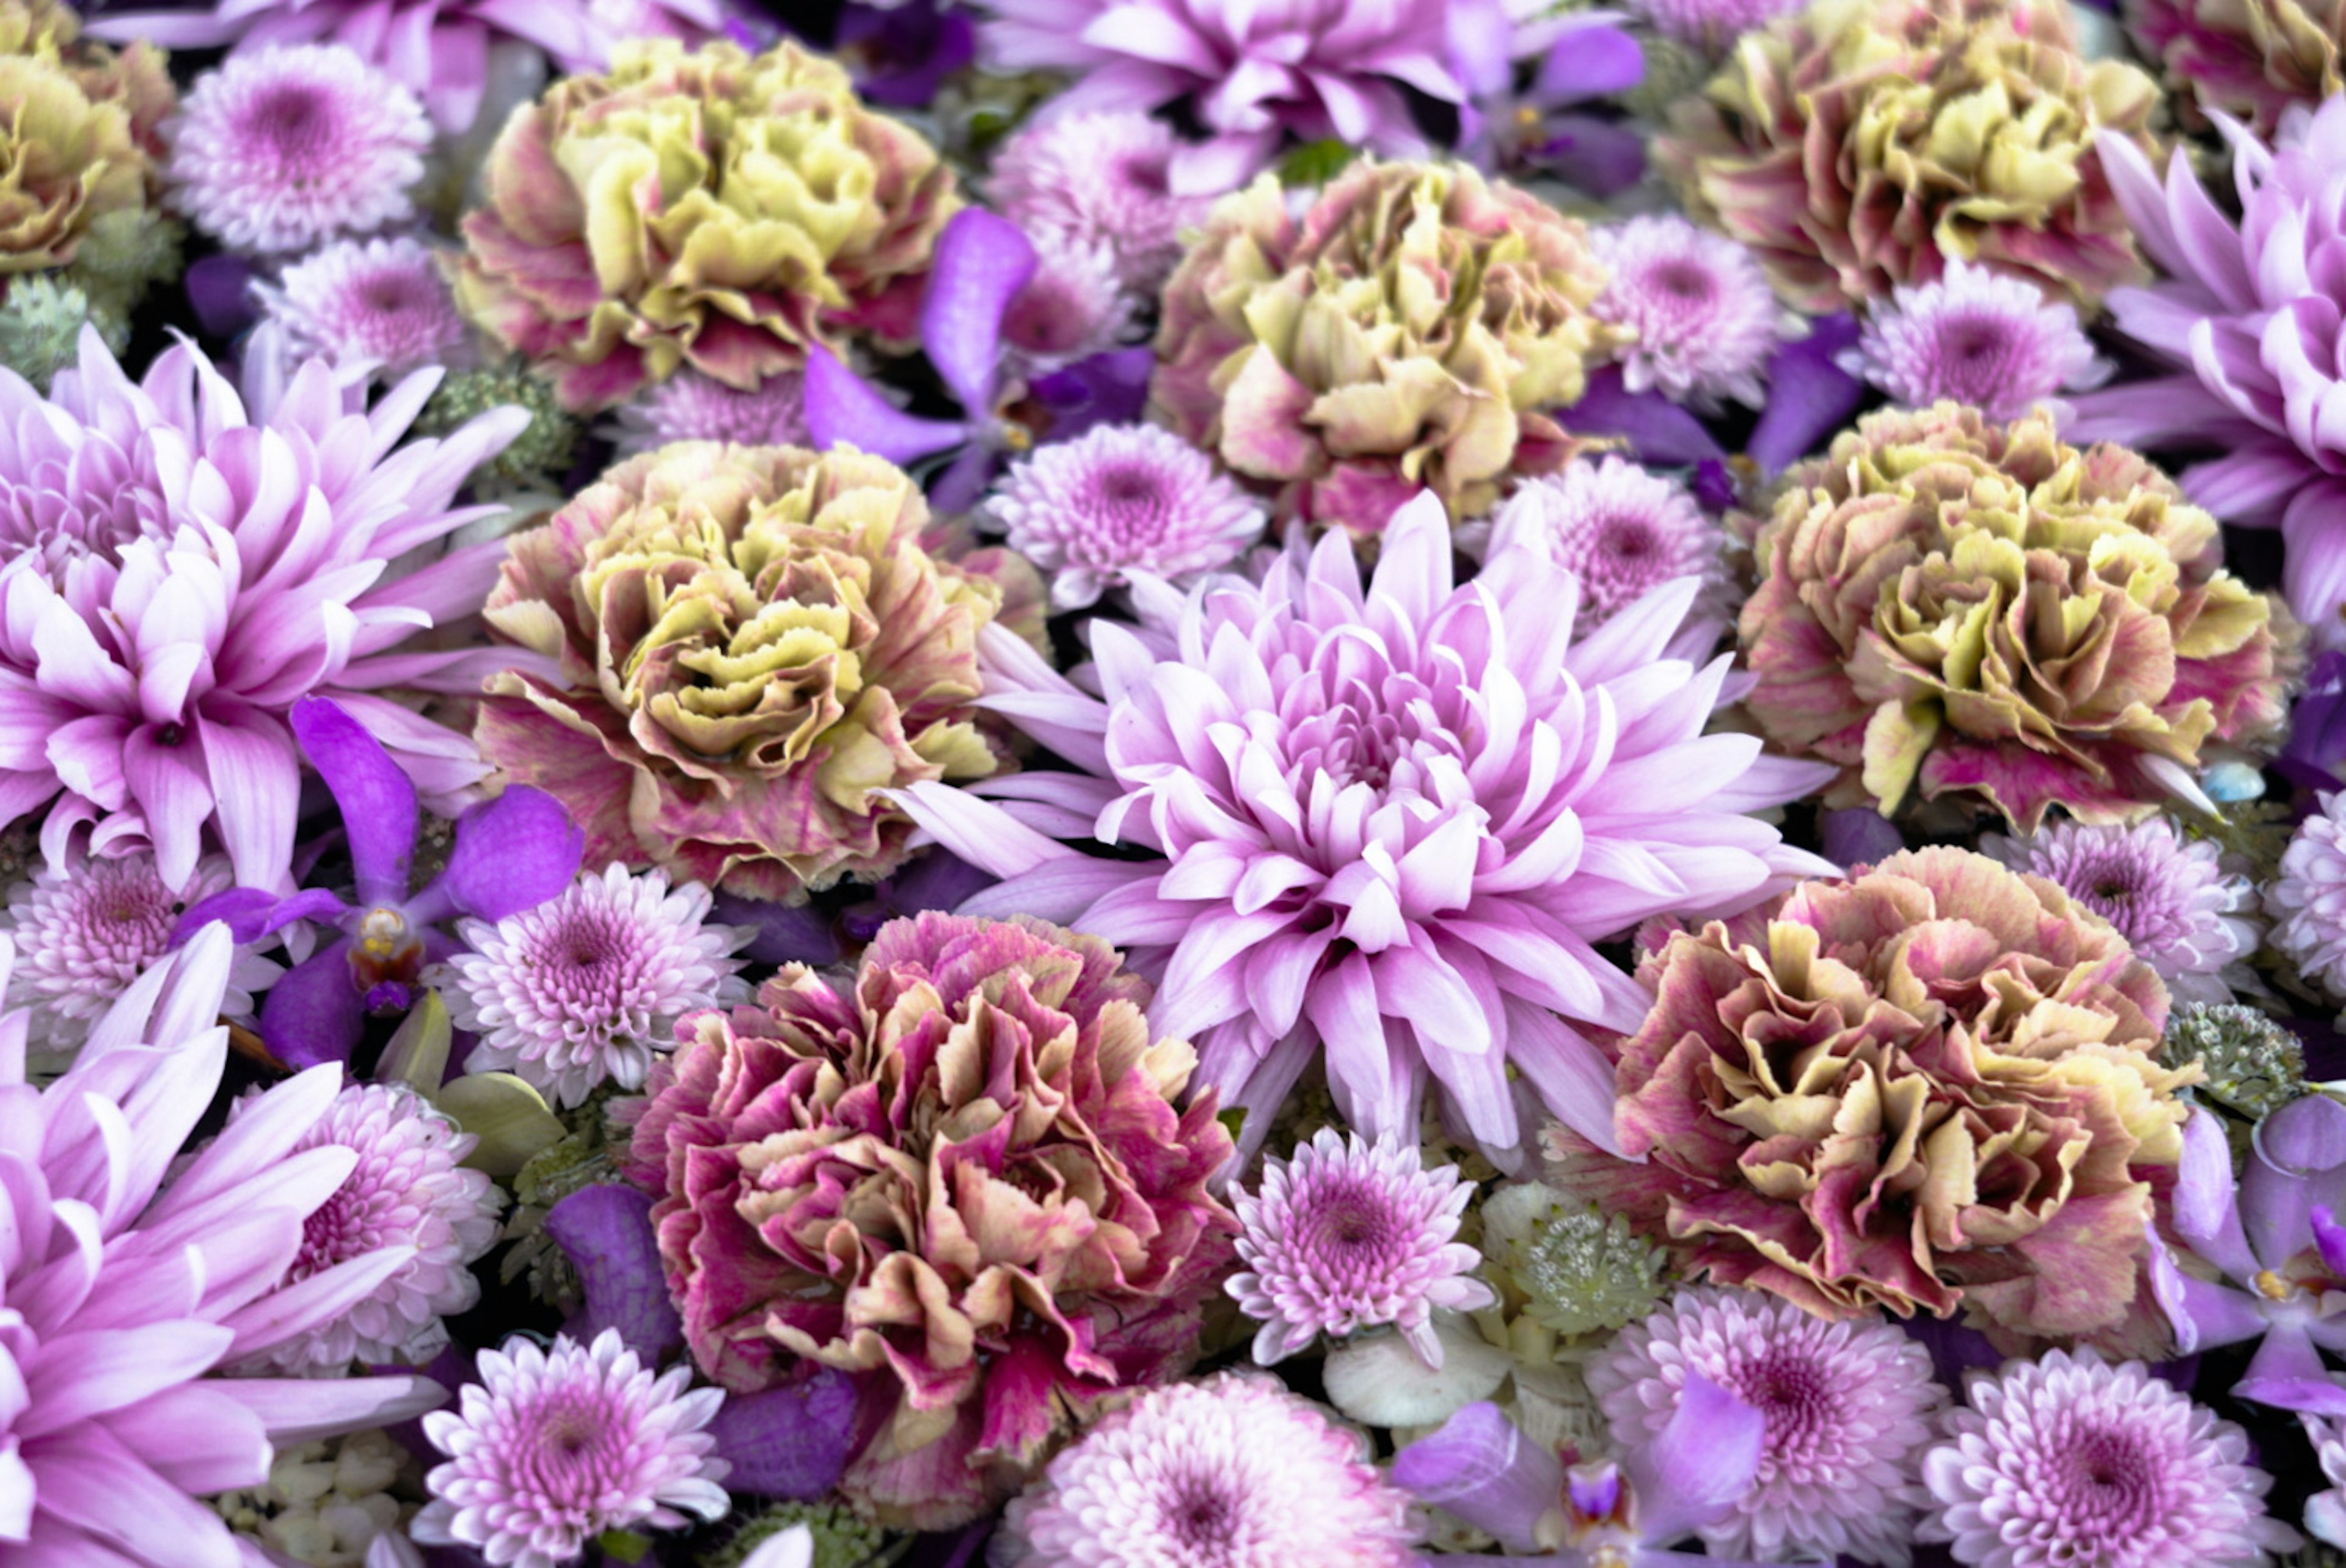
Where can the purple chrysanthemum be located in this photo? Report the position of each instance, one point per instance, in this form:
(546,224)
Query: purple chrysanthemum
(1386,822)
(1621,531)
(1705,317)
(552,1447)
(1074,305)
(2068,1460)
(1710,26)
(690,406)
(2168,896)
(1848,1406)
(407,1189)
(2307,900)
(1233,1471)
(1976,337)
(124,1292)
(283,150)
(383,300)
(1120,499)
(1103,179)
(1346,1236)
(580,990)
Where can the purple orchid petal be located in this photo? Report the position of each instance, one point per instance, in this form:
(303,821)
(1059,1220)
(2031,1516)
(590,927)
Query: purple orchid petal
(2330,1240)
(377,800)
(1478,33)
(1810,396)
(982,263)
(1699,1466)
(2298,1148)
(2317,727)
(841,409)
(1480,1467)
(1594,1493)
(245,910)
(607,1233)
(2288,1374)
(1599,157)
(1954,1349)
(1858,836)
(903,57)
(1590,63)
(2207,1212)
(511,853)
(2204,1316)
(788,1443)
(314,1013)
(956,490)
(1109,388)
(1656,428)
(786,933)
(220,290)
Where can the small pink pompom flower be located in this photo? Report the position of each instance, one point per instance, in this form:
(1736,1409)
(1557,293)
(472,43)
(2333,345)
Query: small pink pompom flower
(379,299)
(1102,178)
(279,150)
(690,406)
(2307,900)
(1706,319)
(1622,531)
(1976,337)
(1344,1236)
(1073,305)
(552,1447)
(1120,499)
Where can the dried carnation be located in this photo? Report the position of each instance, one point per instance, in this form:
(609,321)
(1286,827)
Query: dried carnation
(2253,59)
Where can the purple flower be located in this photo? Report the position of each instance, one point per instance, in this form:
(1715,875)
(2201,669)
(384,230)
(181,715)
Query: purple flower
(124,1292)
(2325,1511)
(1256,70)
(1706,320)
(690,406)
(510,854)
(184,564)
(2315,754)
(1387,823)
(384,302)
(900,54)
(1976,337)
(1073,307)
(2273,1237)
(1579,58)
(1622,533)
(1102,178)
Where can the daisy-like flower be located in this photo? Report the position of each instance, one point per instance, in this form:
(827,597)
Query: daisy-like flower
(2106,1465)
(1976,337)
(2307,900)
(1233,1471)
(552,1447)
(279,150)
(85,930)
(690,406)
(1710,26)
(407,1189)
(1705,317)
(1344,1236)
(2167,895)
(1120,499)
(1074,305)
(1622,531)
(1848,1404)
(1101,178)
(580,989)
(383,300)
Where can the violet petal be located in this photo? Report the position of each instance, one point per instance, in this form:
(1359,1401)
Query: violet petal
(1600,157)
(314,1013)
(246,912)
(1482,1468)
(511,853)
(842,408)
(788,1443)
(219,289)
(982,263)
(1110,388)
(1858,836)
(1591,63)
(787,933)
(376,799)
(1699,1465)
(607,1232)
(1810,396)
(1656,428)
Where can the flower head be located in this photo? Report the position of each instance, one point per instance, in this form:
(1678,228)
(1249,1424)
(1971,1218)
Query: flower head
(1073,305)
(1976,337)
(1101,178)
(786,215)
(383,300)
(1121,499)
(40,326)
(552,1447)
(1233,1471)
(1622,532)
(81,141)
(1579,1270)
(1344,1236)
(579,991)
(539,457)
(826,1160)
(324,1503)
(2254,1064)
(1935,990)
(1848,1404)
(1860,144)
(2108,1464)
(280,150)
(2307,900)
(1703,317)
(2253,59)
(1710,26)
(407,1189)
(690,406)
(1410,330)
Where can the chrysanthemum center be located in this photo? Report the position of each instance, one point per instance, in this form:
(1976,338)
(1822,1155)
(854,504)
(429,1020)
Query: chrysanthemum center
(1204,1519)
(2109,1482)
(293,121)
(1682,278)
(1133,505)
(1792,1392)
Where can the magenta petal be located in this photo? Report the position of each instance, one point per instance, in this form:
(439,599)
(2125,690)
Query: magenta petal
(246,912)
(1700,1465)
(314,1013)
(511,853)
(788,1443)
(1480,1467)
(841,409)
(376,799)
(982,263)
(607,1232)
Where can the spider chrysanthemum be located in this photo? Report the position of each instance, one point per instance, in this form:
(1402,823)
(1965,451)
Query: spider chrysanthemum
(1103,179)
(1120,499)
(1706,320)
(1847,1403)
(383,300)
(276,151)
(1346,1236)
(579,991)
(1622,531)
(1973,336)
(552,1447)
(2106,1465)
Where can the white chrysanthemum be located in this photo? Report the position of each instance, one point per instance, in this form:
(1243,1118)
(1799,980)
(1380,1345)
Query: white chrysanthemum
(407,1189)
(1976,337)
(2308,900)
(552,1447)
(1848,1406)
(584,988)
(383,300)
(1706,319)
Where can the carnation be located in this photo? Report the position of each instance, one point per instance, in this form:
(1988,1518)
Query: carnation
(382,302)
(80,131)
(2253,59)
(1699,318)
(1981,1004)
(1974,337)
(816,1156)
(1101,178)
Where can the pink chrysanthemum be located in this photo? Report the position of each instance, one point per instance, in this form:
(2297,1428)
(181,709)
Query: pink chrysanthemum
(1343,1238)
(1848,1406)
(2168,896)
(578,990)
(1710,26)
(1120,499)
(1073,305)
(1622,531)
(1233,1471)
(2307,900)
(284,149)
(690,406)
(1976,337)
(2325,1511)
(407,1189)
(383,300)
(125,1291)
(1705,317)
(1102,179)
(2067,1461)
(552,1447)
(85,930)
